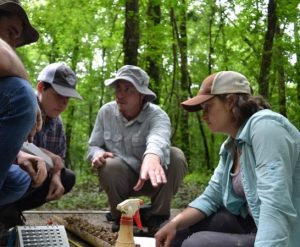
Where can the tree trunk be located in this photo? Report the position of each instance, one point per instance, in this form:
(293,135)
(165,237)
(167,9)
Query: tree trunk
(181,35)
(205,142)
(281,90)
(297,64)
(281,73)
(153,61)
(267,50)
(172,92)
(70,116)
(131,33)
(211,150)
(69,132)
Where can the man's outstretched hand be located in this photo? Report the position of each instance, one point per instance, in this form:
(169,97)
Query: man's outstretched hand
(151,169)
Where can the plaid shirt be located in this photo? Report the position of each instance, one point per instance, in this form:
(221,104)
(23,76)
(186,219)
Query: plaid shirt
(52,137)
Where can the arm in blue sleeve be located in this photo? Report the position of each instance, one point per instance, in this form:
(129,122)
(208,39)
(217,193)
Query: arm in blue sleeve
(273,148)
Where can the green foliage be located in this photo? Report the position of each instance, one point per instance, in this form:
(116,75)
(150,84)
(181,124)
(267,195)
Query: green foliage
(86,194)
(193,185)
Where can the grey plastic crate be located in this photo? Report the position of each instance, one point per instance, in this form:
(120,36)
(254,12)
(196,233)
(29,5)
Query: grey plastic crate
(42,236)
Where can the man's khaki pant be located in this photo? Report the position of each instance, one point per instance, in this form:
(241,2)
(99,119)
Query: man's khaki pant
(118,180)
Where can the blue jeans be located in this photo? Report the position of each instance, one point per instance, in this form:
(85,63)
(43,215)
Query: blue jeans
(18,105)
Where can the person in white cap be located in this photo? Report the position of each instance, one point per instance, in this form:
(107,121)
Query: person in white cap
(253,197)
(56,85)
(18,112)
(130,147)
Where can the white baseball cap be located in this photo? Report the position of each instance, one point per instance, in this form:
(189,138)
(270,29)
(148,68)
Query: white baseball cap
(62,79)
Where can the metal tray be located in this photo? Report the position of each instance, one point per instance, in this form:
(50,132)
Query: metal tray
(42,236)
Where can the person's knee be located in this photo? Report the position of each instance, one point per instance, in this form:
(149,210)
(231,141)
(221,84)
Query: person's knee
(198,239)
(28,102)
(114,170)
(177,155)
(178,161)
(16,184)
(111,168)
(218,239)
(18,115)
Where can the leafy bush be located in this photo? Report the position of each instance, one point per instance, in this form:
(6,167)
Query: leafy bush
(193,185)
(87,195)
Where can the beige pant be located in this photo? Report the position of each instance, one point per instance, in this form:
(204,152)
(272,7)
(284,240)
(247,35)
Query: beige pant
(118,180)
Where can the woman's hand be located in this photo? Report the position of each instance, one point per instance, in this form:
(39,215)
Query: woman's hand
(185,219)
(165,235)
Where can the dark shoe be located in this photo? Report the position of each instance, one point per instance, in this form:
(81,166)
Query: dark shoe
(115,226)
(145,211)
(115,222)
(155,222)
(10,216)
(109,217)
(3,235)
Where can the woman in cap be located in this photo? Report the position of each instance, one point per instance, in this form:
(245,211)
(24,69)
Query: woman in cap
(253,197)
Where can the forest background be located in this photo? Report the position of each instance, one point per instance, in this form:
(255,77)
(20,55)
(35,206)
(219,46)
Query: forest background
(179,43)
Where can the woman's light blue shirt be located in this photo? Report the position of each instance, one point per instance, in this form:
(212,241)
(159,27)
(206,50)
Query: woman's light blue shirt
(270,169)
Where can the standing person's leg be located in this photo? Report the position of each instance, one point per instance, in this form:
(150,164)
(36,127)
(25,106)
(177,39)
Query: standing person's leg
(220,229)
(17,117)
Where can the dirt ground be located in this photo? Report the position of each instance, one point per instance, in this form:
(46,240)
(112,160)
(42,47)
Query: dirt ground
(42,217)
(97,218)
